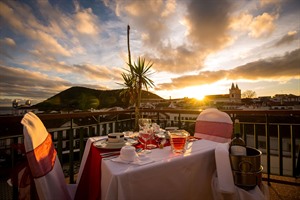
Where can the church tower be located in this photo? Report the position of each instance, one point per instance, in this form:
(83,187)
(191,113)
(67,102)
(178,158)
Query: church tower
(234,94)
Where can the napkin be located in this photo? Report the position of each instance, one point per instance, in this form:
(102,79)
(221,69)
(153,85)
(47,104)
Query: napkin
(225,183)
(225,178)
(137,161)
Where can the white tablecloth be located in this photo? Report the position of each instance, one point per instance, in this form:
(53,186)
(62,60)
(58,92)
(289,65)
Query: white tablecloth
(170,176)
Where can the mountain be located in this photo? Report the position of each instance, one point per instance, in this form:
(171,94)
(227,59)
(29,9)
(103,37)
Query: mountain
(85,98)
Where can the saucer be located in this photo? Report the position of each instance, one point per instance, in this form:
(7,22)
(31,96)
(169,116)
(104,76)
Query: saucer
(104,144)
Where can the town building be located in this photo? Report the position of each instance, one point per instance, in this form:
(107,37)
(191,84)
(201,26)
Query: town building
(232,100)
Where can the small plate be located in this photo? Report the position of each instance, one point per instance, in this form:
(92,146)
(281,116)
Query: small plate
(104,144)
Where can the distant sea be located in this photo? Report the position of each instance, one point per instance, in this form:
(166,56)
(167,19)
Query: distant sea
(6,110)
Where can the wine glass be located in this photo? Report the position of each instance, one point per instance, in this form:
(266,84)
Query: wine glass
(144,123)
(152,133)
(145,134)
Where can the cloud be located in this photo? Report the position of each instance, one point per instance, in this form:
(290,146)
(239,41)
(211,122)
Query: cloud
(286,66)
(147,17)
(268,2)
(257,27)
(287,39)
(177,35)
(21,20)
(262,25)
(21,83)
(47,40)
(205,77)
(55,29)
(47,64)
(18,82)
(241,21)
(86,22)
(8,42)
(86,42)
(280,67)
(95,72)
(85,71)
(208,23)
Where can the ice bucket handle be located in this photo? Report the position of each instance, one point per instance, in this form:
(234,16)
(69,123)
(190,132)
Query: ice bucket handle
(245,166)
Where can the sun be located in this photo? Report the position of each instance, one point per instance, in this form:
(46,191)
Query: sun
(199,92)
(200,97)
(194,92)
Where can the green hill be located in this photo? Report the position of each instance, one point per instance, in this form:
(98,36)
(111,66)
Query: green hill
(85,98)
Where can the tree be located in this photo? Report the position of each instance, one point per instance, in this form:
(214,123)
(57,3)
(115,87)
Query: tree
(129,90)
(136,80)
(128,45)
(248,94)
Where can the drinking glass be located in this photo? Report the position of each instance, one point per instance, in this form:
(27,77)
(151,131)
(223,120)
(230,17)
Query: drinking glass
(151,139)
(178,139)
(144,123)
(145,135)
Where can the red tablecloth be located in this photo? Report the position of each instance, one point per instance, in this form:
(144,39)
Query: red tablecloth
(86,186)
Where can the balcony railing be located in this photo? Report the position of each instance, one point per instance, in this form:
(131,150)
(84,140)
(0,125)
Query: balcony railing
(275,132)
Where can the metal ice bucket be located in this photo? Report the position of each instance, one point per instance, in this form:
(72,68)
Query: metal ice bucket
(249,163)
(247,180)
(247,170)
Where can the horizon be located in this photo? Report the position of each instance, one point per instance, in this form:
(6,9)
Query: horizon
(9,105)
(197,47)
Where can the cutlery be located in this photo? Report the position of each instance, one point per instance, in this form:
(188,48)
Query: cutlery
(117,152)
(109,153)
(110,157)
(139,150)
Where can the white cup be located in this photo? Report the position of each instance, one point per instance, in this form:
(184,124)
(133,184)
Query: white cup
(128,153)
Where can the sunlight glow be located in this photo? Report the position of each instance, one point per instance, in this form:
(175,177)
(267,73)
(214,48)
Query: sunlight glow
(194,92)
(198,92)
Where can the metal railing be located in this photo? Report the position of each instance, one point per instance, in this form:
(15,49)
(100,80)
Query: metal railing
(276,133)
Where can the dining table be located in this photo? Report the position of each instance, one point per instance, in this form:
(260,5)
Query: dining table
(165,175)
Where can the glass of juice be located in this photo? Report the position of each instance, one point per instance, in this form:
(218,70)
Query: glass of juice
(178,139)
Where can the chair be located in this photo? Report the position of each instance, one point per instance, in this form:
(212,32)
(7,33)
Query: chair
(213,124)
(223,186)
(43,163)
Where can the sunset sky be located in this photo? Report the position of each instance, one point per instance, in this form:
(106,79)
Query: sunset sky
(198,47)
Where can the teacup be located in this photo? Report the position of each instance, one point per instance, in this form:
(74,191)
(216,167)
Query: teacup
(128,153)
(115,137)
(178,139)
(128,133)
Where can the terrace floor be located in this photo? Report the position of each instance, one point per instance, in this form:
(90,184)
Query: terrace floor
(283,191)
(277,191)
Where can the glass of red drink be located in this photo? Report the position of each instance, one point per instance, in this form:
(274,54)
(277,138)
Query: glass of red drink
(178,139)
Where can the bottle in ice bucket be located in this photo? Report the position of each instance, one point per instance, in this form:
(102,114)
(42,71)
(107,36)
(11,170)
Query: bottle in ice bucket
(237,145)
